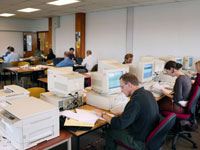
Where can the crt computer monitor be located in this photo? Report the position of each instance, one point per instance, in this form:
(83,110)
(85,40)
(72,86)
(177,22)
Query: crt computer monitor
(107,82)
(187,62)
(110,64)
(146,58)
(173,58)
(143,70)
(64,85)
(158,65)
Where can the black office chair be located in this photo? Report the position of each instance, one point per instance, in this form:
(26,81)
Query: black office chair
(94,68)
(80,69)
(57,60)
(79,60)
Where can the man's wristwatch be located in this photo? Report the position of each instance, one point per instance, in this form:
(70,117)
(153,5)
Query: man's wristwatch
(103,113)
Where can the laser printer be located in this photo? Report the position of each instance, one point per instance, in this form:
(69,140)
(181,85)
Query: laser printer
(12,92)
(28,121)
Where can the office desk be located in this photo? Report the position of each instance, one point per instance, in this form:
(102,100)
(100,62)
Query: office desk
(18,70)
(64,137)
(99,124)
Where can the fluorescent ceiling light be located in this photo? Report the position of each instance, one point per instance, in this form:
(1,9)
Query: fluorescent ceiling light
(6,15)
(28,10)
(63,2)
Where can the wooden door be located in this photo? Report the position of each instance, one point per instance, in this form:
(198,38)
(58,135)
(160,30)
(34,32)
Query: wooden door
(30,43)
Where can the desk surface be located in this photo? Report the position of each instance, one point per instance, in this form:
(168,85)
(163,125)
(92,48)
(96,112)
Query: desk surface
(43,80)
(63,137)
(98,124)
(20,70)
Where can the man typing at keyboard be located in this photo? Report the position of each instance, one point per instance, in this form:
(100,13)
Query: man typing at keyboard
(138,119)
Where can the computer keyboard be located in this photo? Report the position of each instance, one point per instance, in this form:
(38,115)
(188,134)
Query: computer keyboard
(156,93)
(150,86)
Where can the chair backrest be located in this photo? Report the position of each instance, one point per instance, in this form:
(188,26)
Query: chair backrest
(49,61)
(194,96)
(79,60)
(57,60)
(36,61)
(157,137)
(94,68)
(197,81)
(23,63)
(35,91)
(80,69)
(14,63)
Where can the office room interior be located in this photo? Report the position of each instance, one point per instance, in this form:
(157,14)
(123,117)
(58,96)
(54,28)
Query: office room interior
(157,30)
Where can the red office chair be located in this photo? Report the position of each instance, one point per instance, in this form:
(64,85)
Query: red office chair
(190,116)
(197,83)
(157,137)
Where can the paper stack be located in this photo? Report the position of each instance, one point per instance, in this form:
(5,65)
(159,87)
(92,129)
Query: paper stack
(80,118)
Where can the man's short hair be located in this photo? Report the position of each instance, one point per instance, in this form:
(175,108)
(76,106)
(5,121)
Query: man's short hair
(127,56)
(66,54)
(89,52)
(12,49)
(71,49)
(8,47)
(129,77)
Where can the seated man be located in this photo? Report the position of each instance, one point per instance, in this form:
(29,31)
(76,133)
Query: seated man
(37,52)
(139,118)
(12,56)
(67,62)
(7,52)
(128,58)
(89,61)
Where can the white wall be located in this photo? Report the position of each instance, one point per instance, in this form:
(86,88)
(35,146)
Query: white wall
(23,25)
(39,25)
(168,29)
(65,35)
(11,32)
(106,33)
(14,39)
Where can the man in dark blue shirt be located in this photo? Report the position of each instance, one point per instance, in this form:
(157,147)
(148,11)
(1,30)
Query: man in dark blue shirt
(140,116)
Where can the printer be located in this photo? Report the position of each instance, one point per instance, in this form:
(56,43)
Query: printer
(28,121)
(12,92)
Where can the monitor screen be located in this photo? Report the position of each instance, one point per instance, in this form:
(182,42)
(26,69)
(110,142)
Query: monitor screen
(114,79)
(179,61)
(190,62)
(148,70)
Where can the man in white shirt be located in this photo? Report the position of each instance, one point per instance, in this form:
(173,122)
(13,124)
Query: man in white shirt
(89,61)
(12,56)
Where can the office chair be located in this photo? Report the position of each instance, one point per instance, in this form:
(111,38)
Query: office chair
(35,91)
(80,69)
(49,61)
(5,73)
(157,137)
(14,63)
(197,83)
(57,60)
(94,68)
(188,116)
(23,63)
(36,61)
(79,60)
